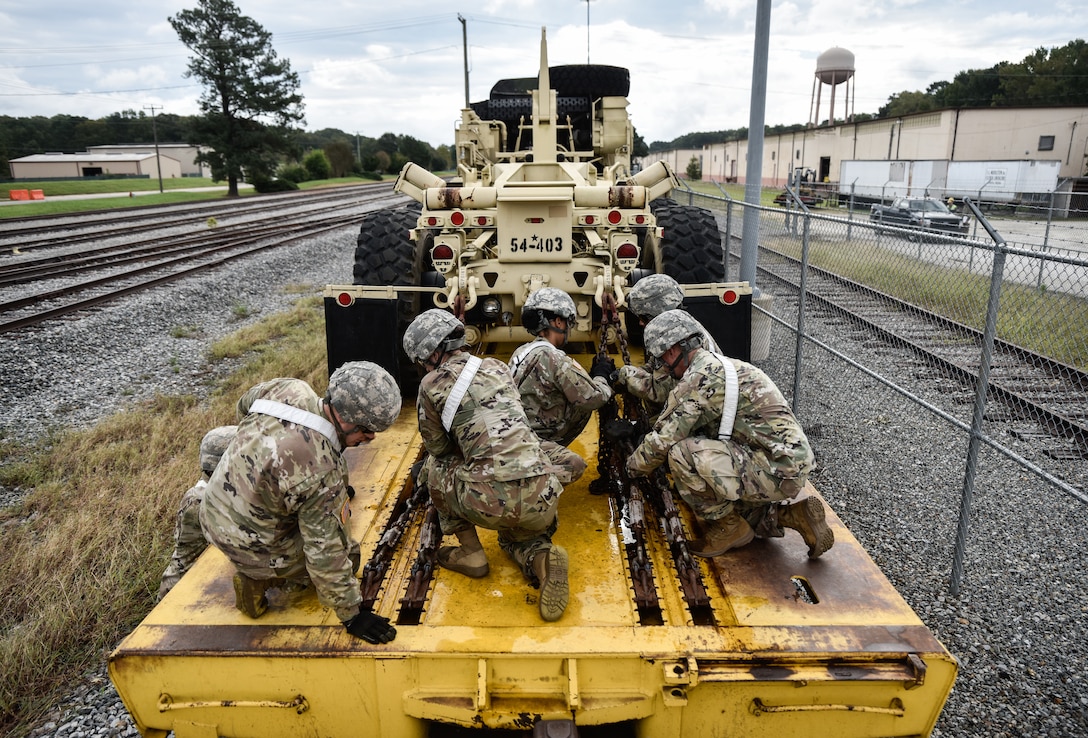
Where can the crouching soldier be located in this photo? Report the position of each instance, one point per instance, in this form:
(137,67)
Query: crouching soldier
(485,466)
(735,450)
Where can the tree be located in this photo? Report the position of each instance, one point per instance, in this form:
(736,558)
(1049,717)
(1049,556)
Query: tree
(695,170)
(250,96)
(341,157)
(317,165)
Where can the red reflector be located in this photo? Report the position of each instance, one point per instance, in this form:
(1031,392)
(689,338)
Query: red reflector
(432,221)
(442,251)
(590,219)
(627,251)
(345,299)
(534,220)
(640,219)
(729,297)
(481,220)
(614,217)
(457,218)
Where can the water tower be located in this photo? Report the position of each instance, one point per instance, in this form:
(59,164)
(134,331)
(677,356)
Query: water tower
(833,67)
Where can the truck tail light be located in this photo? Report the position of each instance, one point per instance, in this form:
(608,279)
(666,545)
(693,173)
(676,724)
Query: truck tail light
(457,218)
(442,251)
(627,251)
(730,297)
(345,299)
(614,217)
(639,219)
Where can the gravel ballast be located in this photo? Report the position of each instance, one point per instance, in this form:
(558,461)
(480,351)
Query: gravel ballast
(891,470)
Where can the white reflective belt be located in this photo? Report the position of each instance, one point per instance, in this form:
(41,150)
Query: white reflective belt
(732,393)
(299,416)
(460,387)
(521,354)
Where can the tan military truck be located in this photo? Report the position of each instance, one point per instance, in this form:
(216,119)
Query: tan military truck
(544,195)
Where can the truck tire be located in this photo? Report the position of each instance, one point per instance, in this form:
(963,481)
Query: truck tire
(592,80)
(690,250)
(384,255)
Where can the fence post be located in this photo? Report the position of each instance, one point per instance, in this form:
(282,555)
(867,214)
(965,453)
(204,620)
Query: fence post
(981,388)
(728,233)
(802,291)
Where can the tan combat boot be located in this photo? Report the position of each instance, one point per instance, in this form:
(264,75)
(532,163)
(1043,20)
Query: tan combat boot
(469,558)
(550,568)
(807,518)
(723,534)
(249,594)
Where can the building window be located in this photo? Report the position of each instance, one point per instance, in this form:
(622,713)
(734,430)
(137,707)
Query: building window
(1046,143)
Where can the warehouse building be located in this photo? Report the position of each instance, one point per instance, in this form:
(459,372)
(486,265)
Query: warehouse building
(94,164)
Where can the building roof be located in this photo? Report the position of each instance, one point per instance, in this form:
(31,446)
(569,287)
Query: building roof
(55,158)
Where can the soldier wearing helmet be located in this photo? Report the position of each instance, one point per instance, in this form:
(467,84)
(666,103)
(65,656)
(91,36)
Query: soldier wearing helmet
(485,467)
(189,540)
(277,503)
(648,298)
(735,450)
(559,396)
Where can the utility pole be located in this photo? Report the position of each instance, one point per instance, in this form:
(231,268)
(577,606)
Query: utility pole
(464,44)
(587,31)
(155,133)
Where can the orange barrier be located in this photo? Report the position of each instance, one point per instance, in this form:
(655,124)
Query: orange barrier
(37,195)
(19,194)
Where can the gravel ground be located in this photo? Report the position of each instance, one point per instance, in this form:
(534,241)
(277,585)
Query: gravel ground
(890,469)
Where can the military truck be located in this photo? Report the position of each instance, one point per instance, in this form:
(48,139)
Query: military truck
(544,195)
(655,642)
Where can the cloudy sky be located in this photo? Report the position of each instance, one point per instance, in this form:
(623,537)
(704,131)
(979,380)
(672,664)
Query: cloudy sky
(371,67)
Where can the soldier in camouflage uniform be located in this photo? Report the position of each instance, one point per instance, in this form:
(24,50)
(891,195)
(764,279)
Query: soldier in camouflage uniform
(189,540)
(736,473)
(278,501)
(652,382)
(485,466)
(558,395)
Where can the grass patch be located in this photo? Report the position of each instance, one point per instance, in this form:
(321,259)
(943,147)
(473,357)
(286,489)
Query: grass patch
(84,550)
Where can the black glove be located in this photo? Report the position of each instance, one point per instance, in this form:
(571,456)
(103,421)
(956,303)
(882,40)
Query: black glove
(370,627)
(603,366)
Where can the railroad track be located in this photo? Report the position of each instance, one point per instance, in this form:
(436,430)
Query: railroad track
(160,255)
(1032,389)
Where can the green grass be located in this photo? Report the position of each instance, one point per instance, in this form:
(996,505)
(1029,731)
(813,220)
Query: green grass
(84,550)
(99,186)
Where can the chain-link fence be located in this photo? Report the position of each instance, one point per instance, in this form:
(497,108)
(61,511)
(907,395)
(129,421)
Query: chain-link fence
(988,334)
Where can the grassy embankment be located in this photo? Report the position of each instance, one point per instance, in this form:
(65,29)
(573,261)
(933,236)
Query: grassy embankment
(84,550)
(172,193)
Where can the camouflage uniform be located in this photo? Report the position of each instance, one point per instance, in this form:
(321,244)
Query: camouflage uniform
(277,504)
(767,458)
(559,398)
(489,470)
(189,540)
(652,382)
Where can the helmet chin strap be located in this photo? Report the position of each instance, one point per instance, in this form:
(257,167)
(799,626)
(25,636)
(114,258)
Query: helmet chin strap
(564,332)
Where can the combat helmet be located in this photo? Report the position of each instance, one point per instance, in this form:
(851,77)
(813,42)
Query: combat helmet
(653,295)
(213,445)
(365,394)
(544,304)
(670,328)
(429,331)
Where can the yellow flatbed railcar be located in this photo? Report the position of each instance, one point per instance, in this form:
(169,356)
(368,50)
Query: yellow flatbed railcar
(786,646)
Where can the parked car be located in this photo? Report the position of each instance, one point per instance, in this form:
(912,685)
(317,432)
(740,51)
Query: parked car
(922,214)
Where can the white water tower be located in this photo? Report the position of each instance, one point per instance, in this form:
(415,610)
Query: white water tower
(833,67)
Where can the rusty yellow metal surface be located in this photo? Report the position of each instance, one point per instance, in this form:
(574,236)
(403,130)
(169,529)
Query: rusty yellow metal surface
(797,647)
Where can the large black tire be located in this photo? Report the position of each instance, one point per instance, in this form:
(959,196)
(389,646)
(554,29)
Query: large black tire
(384,255)
(591,80)
(691,248)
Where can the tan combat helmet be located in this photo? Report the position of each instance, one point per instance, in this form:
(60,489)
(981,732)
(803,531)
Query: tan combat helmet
(365,394)
(542,305)
(670,328)
(653,295)
(213,445)
(429,331)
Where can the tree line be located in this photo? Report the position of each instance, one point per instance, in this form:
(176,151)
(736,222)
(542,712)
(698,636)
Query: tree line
(1045,78)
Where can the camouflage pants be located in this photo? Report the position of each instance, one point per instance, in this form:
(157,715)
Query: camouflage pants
(567,466)
(189,541)
(715,477)
(523,511)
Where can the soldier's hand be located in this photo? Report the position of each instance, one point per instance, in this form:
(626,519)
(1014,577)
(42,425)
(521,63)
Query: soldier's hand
(632,469)
(603,366)
(371,627)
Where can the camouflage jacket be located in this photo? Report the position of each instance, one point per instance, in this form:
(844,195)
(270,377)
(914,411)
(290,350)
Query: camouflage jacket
(489,431)
(281,488)
(764,420)
(556,391)
(653,381)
